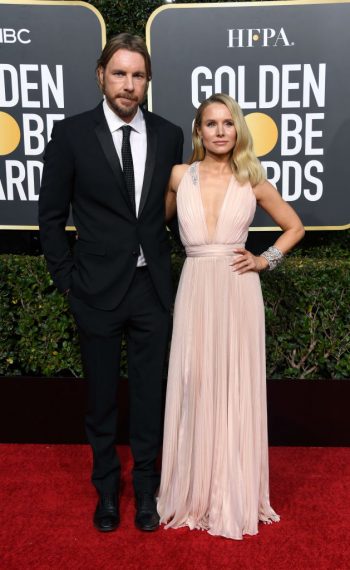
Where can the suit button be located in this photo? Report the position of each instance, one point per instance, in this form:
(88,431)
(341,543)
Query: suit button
(135,252)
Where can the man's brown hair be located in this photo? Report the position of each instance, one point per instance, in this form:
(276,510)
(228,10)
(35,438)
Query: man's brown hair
(129,42)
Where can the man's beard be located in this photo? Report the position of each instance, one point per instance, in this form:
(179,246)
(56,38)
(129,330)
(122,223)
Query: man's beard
(121,111)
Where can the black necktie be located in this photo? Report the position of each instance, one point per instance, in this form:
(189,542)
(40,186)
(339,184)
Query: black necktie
(128,167)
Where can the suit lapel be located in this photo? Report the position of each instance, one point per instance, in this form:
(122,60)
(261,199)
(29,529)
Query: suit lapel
(150,160)
(106,141)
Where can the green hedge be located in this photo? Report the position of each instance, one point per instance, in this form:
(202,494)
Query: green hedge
(37,333)
(132,15)
(307,319)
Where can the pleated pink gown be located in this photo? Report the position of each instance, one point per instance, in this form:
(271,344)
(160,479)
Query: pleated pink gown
(215,451)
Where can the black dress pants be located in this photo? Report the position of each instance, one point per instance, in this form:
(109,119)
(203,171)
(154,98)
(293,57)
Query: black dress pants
(146,324)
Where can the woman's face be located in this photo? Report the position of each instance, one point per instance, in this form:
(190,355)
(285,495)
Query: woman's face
(217,129)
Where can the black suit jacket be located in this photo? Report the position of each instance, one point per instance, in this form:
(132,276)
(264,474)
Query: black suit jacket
(82,169)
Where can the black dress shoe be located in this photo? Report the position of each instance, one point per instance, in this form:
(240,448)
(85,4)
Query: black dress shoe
(106,517)
(147,517)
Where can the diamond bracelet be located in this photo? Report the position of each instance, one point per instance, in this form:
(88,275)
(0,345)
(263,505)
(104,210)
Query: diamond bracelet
(273,256)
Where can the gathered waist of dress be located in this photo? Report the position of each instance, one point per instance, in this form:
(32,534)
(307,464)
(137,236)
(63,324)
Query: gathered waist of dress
(212,249)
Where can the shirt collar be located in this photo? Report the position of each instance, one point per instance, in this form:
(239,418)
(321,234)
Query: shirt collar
(115,122)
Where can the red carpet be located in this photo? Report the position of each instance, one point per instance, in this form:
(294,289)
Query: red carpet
(46,504)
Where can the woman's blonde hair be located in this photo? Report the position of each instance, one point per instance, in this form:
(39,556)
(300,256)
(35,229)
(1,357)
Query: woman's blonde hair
(245,164)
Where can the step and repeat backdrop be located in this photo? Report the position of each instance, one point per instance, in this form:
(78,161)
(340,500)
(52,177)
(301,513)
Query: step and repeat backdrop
(48,53)
(286,63)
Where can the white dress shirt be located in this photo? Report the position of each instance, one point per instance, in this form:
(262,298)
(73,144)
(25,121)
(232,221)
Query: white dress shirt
(138,143)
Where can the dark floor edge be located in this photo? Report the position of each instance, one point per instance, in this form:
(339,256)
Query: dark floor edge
(51,410)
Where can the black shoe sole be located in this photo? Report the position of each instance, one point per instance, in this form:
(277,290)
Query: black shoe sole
(101,529)
(147,528)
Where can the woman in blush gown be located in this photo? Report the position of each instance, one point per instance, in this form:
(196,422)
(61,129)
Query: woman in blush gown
(215,450)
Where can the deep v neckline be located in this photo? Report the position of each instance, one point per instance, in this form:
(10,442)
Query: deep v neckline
(210,239)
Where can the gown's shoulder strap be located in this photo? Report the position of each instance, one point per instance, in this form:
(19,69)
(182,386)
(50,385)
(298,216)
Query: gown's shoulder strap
(193,171)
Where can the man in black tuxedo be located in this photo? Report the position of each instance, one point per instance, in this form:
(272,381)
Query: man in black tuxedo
(112,165)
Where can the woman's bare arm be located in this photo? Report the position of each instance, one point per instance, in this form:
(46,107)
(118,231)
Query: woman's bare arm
(271,201)
(170,198)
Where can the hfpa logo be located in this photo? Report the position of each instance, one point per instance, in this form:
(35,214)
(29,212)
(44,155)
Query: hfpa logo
(253,37)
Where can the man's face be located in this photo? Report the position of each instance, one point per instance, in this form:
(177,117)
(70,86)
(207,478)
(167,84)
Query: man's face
(124,83)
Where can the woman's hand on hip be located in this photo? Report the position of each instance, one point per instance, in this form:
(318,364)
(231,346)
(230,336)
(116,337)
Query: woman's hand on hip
(245,261)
